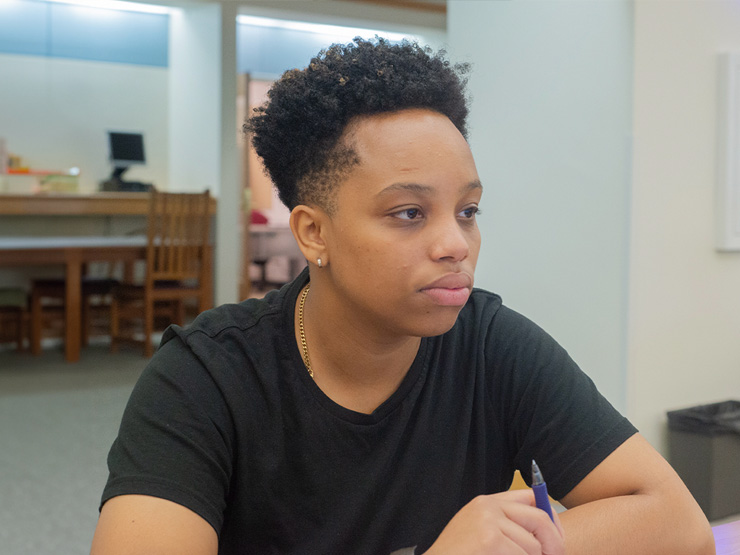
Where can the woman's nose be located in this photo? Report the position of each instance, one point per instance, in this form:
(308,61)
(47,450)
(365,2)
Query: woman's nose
(450,241)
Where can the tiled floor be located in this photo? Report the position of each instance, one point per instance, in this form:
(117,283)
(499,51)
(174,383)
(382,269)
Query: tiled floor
(57,422)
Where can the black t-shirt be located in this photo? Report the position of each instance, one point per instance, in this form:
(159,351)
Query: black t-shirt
(226,421)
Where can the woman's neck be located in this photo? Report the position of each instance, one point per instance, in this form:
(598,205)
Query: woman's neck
(354,364)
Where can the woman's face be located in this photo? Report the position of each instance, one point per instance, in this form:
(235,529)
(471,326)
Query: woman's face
(403,242)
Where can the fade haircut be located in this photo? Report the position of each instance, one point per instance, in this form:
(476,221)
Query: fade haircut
(297,131)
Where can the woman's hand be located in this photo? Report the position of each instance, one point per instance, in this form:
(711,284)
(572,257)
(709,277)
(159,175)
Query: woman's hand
(506,523)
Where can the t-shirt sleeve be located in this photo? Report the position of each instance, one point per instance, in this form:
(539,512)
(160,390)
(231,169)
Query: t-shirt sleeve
(553,411)
(175,439)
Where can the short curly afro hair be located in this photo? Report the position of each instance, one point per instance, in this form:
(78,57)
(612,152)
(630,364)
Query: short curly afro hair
(297,131)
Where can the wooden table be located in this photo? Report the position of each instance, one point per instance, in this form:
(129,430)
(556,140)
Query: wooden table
(66,204)
(727,538)
(72,253)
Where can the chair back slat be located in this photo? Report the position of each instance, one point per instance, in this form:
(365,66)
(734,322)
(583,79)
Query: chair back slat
(179,267)
(178,234)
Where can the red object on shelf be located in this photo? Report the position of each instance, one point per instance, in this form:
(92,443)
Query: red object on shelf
(257,217)
(28,171)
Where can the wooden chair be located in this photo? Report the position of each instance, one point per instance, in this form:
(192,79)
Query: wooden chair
(47,305)
(178,267)
(13,308)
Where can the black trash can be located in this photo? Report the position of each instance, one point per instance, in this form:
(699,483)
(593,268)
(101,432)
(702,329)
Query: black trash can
(705,452)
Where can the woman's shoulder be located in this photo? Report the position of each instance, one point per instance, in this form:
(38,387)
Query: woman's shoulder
(487,312)
(241,317)
(481,308)
(269,316)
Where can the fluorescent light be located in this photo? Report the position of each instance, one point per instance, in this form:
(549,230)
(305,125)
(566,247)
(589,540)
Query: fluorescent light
(347,33)
(118,5)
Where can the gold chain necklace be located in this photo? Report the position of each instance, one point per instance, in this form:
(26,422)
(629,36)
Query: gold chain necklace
(302,331)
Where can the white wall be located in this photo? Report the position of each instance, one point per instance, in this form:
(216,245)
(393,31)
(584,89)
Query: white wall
(195,98)
(55,113)
(550,130)
(685,296)
(203,127)
(228,241)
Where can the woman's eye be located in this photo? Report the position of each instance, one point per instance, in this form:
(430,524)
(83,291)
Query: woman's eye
(470,212)
(409,214)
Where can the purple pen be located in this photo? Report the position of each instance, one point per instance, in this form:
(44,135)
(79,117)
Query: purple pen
(540,491)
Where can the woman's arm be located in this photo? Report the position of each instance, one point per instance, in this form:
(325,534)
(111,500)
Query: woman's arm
(500,524)
(136,524)
(635,503)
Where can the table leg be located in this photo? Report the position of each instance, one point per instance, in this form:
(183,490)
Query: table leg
(72,307)
(128,271)
(206,300)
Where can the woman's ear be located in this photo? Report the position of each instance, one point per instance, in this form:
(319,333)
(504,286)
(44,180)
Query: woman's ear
(308,226)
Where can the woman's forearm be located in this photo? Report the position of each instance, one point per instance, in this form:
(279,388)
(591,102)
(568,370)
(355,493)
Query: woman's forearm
(639,524)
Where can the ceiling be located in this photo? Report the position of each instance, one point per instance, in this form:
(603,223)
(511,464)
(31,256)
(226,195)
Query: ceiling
(416,13)
(436,6)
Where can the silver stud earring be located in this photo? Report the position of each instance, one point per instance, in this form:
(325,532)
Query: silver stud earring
(318,261)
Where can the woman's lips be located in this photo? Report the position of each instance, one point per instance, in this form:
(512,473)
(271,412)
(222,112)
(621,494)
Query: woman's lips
(450,290)
(448,297)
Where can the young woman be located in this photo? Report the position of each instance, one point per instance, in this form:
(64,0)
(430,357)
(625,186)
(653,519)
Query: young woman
(379,403)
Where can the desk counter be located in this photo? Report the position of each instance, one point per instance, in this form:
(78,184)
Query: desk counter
(95,204)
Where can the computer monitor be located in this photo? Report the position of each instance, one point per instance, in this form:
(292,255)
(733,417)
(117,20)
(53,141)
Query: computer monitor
(125,149)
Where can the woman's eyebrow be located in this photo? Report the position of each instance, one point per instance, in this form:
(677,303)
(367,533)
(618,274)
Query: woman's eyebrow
(408,187)
(425,189)
(473,185)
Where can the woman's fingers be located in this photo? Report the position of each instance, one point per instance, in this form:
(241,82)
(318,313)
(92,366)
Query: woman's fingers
(506,523)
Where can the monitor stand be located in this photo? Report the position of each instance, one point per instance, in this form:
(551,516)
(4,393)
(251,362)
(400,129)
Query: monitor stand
(116,183)
(118,172)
